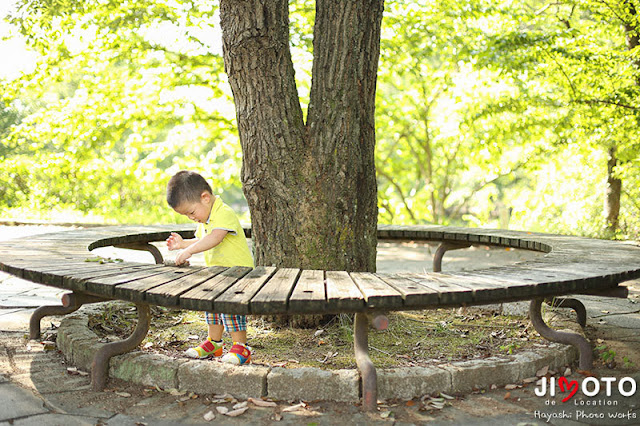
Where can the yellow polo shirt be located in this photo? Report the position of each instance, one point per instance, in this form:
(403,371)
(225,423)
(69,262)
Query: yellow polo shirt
(233,250)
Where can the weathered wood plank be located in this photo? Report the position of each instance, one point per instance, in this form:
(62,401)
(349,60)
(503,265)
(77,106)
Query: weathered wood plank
(237,297)
(106,285)
(483,290)
(377,293)
(201,297)
(134,291)
(77,280)
(52,274)
(169,294)
(414,294)
(449,293)
(343,295)
(273,296)
(310,294)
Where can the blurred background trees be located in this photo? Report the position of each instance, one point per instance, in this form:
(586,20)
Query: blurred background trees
(521,114)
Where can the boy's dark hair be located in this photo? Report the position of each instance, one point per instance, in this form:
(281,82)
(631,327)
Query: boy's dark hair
(186,186)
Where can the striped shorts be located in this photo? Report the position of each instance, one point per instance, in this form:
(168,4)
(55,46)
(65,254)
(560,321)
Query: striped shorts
(231,322)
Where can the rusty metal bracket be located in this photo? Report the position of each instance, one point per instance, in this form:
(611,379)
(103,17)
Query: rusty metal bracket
(442,249)
(100,364)
(568,302)
(567,338)
(71,302)
(157,256)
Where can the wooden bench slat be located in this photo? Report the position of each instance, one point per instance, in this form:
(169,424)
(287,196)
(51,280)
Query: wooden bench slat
(483,290)
(273,296)
(135,290)
(310,294)
(413,293)
(105,285)
(51,273)
(449,293)
(237,297)
(76,280)
(200,298)
(342,293)
(169,294)
(377,293)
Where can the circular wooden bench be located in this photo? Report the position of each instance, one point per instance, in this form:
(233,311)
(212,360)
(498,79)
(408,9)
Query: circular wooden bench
(570,265)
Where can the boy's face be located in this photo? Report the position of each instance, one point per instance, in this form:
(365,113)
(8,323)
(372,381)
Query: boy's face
(197,211)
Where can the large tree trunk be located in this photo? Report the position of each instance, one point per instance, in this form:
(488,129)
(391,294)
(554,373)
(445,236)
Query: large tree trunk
(311,187)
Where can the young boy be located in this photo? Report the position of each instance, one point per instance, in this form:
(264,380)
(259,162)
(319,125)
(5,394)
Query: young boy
(221,237)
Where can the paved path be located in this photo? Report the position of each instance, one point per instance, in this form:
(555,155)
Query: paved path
(36,387)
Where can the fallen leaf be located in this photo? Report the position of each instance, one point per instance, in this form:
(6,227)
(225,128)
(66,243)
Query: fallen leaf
(240,405)
(385,414)
(507,395)
(209,416)
(586,373)
(543,371)
(511,387)
(530,379)
(176,392)
(277,417)
(222,410)
(123,394)
(261,403)
(292,408)
(317,333)
(72,370)
(237,412)
(48,345)
(410,403)
(567,372)
(445,396)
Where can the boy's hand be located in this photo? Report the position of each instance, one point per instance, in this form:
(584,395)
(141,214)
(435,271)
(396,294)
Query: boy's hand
(182,257)
(174,242)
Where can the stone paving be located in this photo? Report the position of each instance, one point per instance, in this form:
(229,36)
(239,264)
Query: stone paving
(36,386)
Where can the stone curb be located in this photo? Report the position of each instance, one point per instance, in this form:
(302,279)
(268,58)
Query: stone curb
(78,344)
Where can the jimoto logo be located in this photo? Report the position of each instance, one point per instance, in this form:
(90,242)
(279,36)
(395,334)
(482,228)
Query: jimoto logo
(591,386)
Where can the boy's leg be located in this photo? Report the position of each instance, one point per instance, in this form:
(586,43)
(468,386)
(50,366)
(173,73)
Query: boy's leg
(215,331)
(240,353)
(212,347)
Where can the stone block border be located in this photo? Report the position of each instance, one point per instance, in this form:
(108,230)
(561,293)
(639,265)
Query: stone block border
(78,344)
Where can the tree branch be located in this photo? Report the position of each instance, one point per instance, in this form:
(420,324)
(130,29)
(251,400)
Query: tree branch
(399,190)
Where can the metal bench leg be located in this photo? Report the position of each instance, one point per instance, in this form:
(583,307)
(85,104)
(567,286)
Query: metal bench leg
(568,338)
(442,249)
(71,302)
(365,366)
(100,364)
(157,256)
(568,302)
(364,363)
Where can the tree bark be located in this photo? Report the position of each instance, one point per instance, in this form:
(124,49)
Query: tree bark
(311,188)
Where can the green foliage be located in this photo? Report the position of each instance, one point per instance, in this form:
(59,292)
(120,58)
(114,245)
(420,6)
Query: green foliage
(488,114)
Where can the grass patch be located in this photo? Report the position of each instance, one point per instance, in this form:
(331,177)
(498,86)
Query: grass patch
(414,338)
